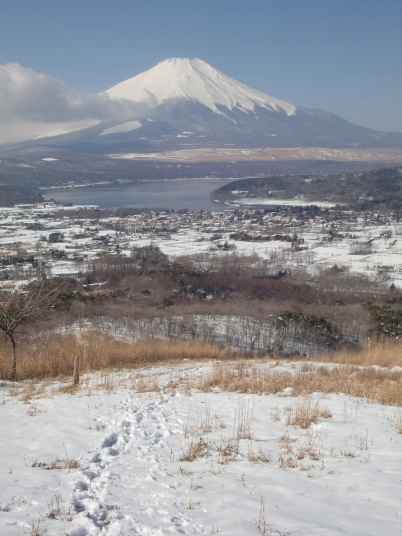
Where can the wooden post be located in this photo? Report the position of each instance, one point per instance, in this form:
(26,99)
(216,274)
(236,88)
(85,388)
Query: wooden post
(76,374)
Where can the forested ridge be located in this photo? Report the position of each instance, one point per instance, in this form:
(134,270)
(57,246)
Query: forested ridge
(379,187)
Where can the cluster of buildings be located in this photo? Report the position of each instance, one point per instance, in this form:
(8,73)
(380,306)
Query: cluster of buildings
(56,241)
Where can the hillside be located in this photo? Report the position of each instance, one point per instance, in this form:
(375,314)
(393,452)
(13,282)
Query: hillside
(381,187)
(187,448)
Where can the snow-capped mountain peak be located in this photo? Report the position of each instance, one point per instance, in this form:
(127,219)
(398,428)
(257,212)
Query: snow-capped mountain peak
(194,80)
(186,103)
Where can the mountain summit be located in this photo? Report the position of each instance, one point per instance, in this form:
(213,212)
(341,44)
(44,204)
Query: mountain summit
(186,103)
(194,80)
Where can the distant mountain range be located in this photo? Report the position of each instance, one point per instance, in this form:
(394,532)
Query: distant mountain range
(185,103)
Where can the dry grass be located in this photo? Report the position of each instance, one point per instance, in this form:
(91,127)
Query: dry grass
(257,456)
(385,353)
(58,464)
(202,423)
(228,450)
(26,393)
(192,504)
(302,414)
(147,385)
(243,419)
(196,448)
(261,523)
(35,529)
(33,411)
(69,389)
(399,425)
(325,413)
(383,386)
(184,472)
(286,443)
(58,511)
(53,355)
(293,451)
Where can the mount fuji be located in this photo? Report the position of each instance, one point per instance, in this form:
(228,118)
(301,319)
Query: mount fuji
(193,80)
(185,103)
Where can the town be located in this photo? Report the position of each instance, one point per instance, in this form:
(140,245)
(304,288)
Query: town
(51,240)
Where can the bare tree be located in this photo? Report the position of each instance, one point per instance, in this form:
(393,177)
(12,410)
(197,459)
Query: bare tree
(21,307)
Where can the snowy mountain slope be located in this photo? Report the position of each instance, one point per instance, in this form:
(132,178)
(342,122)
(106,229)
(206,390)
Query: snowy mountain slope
(186,103)
(194,80)
(196,99)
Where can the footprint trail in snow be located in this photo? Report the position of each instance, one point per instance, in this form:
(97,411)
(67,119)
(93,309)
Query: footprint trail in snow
(126,487)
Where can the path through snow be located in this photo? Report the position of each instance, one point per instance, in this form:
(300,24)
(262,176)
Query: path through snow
(132,479)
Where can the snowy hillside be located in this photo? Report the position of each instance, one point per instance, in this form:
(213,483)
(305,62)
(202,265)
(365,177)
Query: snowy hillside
(146,453)
(194,80)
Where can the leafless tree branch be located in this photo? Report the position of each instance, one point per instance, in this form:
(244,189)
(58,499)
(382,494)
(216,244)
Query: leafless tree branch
(19,306)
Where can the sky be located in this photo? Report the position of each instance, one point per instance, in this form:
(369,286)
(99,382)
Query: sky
(342,56)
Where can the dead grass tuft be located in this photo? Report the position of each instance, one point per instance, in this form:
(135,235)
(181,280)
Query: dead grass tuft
(184,472)
(228,449)
(196,448)
(258,456)
(33,411)
(28,392)
(147,385)
(69,389)
(287,462)
(325,413)
(57,511)
(304,413)
(261,523)
(286,444)
(399,425)
(192,504)
(58,464)
(243,419)
(35,529)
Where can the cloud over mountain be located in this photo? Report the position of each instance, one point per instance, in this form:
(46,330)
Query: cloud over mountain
(32,103)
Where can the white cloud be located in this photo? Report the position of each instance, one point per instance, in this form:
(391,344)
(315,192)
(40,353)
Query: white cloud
(33,103)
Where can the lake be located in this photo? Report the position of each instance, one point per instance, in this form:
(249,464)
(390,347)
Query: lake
(193,194)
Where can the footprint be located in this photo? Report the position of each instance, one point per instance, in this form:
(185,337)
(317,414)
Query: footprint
(90,474)
(96,458)
(83,486)
(110,441)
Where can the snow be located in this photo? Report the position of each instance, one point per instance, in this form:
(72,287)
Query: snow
(194,238)
(49,159)
(283,202)
(131,477)
(57,129)
(124,127)
(193,79)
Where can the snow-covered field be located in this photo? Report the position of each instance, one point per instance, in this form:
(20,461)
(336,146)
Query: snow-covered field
(113,460)
(228,154)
